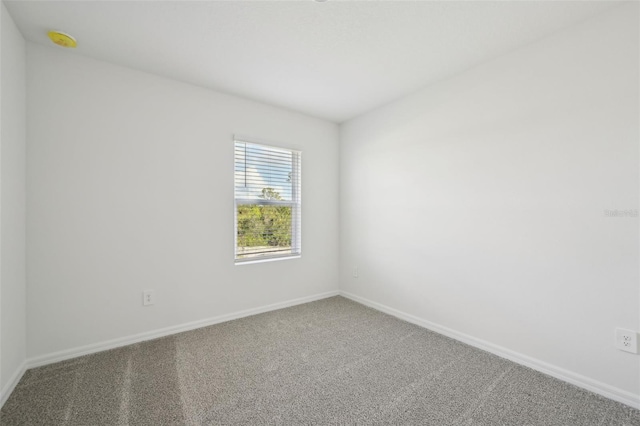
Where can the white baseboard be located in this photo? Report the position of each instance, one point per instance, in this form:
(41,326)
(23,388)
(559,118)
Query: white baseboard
(584,382)
(581,381)
(13,382)
(149,335)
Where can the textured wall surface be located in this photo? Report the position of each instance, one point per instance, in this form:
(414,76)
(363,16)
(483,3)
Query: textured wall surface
(479,203)
(131,187)
(12,202)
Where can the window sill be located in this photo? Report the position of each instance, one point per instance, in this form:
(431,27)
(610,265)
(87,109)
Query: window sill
(271,259)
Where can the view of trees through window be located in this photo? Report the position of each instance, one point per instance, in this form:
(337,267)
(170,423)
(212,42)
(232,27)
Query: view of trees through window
(267,201)
(264,229)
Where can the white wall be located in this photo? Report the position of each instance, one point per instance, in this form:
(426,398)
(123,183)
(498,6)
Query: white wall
(130,185)
(12,203)
(478,203)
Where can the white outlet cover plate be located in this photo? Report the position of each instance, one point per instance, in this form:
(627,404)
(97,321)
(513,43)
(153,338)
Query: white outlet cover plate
(148,297)
(627,340)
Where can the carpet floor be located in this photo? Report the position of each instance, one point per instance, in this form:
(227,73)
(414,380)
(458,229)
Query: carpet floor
(328,362)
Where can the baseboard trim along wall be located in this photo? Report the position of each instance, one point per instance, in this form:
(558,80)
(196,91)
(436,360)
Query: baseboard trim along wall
(154,334)
(584,382)
(13,382)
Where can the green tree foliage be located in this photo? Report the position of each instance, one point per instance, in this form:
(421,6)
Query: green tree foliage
(264,225)
(270,194)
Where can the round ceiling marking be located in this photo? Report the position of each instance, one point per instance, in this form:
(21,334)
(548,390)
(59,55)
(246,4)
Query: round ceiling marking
(62,39)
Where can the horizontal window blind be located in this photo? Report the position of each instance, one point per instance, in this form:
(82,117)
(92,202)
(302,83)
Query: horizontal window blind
(268,205)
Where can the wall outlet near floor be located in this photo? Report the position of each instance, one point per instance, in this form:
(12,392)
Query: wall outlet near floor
(627,340)
(148,297)
(355,272)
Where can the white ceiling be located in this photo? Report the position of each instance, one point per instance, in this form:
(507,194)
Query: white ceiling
(333,60)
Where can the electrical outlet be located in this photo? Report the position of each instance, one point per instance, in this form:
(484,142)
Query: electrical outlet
(627,340)
(148,297)
(355,272)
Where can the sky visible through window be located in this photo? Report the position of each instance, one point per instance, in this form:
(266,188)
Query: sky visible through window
(258,167)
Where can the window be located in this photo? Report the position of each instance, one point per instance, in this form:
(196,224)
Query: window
(267,202)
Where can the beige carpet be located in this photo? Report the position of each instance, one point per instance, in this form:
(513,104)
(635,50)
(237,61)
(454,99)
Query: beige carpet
(327,362)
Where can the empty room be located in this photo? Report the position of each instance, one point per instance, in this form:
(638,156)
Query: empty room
(319,212)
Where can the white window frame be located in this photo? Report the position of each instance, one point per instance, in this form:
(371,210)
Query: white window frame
(295,204)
